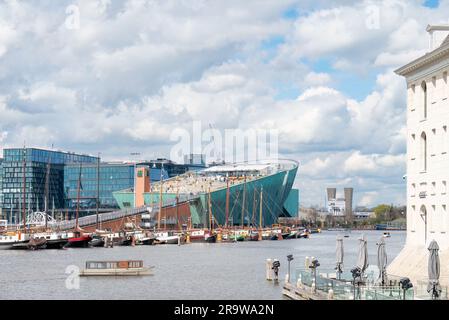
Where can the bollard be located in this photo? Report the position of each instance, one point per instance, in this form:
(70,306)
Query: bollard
(188,238)
(219,237)
(330,295)
(269,265)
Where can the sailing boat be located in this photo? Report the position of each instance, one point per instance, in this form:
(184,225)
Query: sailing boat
(210,237)
(79,240)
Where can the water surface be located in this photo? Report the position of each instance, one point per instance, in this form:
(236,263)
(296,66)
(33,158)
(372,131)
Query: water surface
(188,272)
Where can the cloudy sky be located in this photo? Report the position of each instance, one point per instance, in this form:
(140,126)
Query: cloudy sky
(118,77)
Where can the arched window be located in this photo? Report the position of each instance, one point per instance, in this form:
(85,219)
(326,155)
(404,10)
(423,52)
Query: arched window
(424,91)
(423,155)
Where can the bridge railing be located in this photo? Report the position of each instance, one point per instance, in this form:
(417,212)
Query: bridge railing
(115,215)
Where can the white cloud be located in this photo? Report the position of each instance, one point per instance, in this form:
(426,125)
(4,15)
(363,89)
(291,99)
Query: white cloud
(136,70)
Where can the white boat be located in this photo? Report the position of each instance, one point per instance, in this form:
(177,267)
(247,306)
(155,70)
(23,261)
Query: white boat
(7,240)
(167,238)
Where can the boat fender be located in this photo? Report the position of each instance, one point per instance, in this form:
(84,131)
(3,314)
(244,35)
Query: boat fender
(128,238)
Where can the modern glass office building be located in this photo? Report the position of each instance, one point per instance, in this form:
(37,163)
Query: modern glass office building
(113,177)
(44,176)
(1,190)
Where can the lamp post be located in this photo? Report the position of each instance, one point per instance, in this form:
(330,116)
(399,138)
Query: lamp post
(356,273)
(405,285)
(314,264)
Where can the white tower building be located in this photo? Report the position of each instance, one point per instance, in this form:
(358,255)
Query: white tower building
(427,160)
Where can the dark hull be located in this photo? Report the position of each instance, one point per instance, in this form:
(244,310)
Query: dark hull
(56,244)
(148,242)
(211,239)
(95,243)
(275,237)
(78,242)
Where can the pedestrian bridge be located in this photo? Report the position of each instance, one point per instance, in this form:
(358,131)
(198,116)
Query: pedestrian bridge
(120,214)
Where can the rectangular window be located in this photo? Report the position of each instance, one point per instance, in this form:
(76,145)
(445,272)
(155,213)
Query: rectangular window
(411,218)
(433,189)
(413,148)
(413,190)
(443,187)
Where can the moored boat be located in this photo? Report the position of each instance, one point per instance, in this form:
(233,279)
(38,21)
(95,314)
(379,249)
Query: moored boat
(115,268)
(9,239)
(79,240)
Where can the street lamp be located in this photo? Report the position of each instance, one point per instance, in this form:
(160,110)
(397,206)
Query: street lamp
(405,285)
(356,273)
(289,259)
(314,264)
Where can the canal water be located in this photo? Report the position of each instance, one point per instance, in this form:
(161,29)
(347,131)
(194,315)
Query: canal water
(188,272)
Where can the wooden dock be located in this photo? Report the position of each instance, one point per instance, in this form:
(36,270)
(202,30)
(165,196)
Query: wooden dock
(301,292)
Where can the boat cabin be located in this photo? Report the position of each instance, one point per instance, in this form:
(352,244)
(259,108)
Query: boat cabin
(128,264)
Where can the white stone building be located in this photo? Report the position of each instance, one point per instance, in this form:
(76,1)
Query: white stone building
(427,160)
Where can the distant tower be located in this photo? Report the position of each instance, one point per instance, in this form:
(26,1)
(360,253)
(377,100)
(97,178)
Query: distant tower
(331,193)
(349,192)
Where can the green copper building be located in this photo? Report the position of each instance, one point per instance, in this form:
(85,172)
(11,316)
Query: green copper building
(234,192)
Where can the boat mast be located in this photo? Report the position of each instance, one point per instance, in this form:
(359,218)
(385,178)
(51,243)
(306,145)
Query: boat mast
(254,208)
(227,200)
(98,192)
(177,210)
(210,213)
(24,188)
(78,199)
(243,203)
(260,213)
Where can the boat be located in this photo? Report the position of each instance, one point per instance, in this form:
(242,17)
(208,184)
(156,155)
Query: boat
(240,238)
(56,243)
(96,242)
(285,235)
(78,241)
(386,235)
(253,236)
(167,238)
(9,239)
(274,237)
(201,235)
(147,241)
(210,238)
(115,268)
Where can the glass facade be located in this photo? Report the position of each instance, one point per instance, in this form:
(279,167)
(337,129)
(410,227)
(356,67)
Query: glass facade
(1,190)
(37,163)
(113,177)
(173,169)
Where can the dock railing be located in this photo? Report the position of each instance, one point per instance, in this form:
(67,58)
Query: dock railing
(344,289)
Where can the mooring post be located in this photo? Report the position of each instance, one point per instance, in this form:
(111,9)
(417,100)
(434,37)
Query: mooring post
(268,266)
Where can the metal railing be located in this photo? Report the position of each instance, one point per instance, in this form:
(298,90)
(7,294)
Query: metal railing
(344,289)
(115,215)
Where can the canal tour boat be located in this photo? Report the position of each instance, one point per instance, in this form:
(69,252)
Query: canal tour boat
(116,268)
